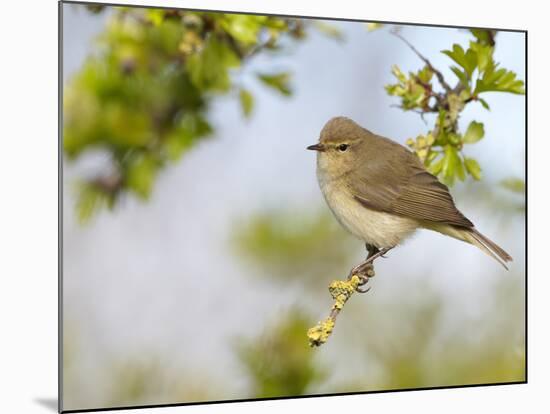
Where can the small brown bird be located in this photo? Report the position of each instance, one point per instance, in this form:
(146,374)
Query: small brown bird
(381,193)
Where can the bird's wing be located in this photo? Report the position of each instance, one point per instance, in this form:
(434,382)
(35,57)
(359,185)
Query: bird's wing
(402,186)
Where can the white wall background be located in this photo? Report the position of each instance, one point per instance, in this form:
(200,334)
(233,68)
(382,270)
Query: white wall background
(32,341)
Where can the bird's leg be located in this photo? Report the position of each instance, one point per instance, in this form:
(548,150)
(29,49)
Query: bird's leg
(365,270)
(372,250)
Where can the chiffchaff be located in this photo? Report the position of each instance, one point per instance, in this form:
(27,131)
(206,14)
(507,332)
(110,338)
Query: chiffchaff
(381,193)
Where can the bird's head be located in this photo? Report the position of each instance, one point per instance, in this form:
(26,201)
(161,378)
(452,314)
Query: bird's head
(341,143)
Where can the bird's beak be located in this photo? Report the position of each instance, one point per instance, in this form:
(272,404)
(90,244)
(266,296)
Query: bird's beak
(317,147)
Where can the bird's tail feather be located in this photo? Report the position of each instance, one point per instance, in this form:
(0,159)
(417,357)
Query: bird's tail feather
(472,236)
(499,251)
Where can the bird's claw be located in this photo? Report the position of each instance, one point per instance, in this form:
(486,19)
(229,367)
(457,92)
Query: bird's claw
(364,274)
(365,270)
(359,290)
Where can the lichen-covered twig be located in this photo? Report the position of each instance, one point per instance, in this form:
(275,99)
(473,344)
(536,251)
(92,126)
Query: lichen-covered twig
(341,291)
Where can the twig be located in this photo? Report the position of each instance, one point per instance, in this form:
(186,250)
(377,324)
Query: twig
(341,291)
(439,75)
(421,112)
(416,111)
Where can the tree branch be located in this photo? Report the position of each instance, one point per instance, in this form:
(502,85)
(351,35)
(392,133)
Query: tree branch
(437,73)
(421,112)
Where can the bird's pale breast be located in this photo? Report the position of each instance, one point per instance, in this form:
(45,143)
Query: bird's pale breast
(377,228)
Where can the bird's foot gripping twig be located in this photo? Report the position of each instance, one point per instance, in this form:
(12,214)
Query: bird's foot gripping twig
(364,277)
(341,291)
(365,270)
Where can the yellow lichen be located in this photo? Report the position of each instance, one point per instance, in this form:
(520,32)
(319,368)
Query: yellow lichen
(341,291)
(319,334)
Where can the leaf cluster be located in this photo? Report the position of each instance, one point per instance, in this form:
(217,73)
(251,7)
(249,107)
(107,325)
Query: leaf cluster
(143,97)
(284,243)
(442,148)
(279,362)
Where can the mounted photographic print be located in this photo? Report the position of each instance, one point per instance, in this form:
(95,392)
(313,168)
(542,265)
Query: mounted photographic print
(260,206)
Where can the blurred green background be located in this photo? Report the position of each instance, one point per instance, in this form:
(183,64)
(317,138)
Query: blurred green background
(198,248)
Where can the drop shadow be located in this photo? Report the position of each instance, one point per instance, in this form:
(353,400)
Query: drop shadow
(49,403)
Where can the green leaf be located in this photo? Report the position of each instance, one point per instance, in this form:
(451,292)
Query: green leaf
(276,24)
(473,168)
(395,89)
(451,165)
(462,76)
(483,36)
(155,16)
(484,55)
(432,155)
(141,175)
(398,74)
(425,75)
(209,69)
(412,89)
(247,102)
(89,200)
(467,60)
(460,169)
(279,82)
(373,26)
(499,80)
(195,124)
(174,146)
(454,138)
(436,167)
(192,127)
(474,132)
(242,27)
(441,137)
(471,60)
(516,185)
(484,103)
(329,29)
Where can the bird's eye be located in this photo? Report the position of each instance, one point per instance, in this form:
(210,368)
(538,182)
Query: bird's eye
(343,147)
